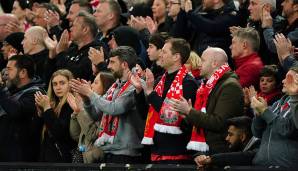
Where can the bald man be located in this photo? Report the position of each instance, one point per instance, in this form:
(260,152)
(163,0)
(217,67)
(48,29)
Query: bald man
(219,98)
(33,45)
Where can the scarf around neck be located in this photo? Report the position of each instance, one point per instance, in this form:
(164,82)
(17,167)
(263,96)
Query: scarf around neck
(198,141)
(109,123)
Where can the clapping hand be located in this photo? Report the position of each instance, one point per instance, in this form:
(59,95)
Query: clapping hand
(75,102)
(187,5)
(149,81)
(64,42)
(136,82)
(151,25)
(96,56)
(52,18)
(283,46)
(259,105)
(182,105)
(51,44)
(43,101)
(202,160)
(82,87)
(266,18)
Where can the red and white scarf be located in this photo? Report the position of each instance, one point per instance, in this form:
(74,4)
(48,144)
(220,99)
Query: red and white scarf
(198,143)
(109,124)
(167,120)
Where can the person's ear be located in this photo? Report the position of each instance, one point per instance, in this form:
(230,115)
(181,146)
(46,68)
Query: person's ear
(245,44)
(243,137)
(85,30)
(177,56)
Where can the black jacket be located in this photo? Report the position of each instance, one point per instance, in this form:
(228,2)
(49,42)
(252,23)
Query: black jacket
(75,60)
(39,60)
(57,143)
(19,124)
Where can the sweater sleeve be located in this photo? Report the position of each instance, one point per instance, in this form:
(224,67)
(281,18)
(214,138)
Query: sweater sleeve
(258,126)
(119,106)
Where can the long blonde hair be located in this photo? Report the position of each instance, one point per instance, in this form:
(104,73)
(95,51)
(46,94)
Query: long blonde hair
(57,104)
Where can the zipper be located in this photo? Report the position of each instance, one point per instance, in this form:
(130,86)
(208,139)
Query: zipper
(268,146)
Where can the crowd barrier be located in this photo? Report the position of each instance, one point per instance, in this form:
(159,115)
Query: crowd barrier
(122,167)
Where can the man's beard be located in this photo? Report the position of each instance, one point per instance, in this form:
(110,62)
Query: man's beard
(118,74)
(237,146)
(12,84)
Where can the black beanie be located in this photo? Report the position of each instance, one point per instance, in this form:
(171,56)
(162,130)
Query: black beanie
(15,40)
(127,36)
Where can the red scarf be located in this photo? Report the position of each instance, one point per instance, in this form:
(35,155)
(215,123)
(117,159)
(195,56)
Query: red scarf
(270,96)
(167,120)
(109,124)
(198,142)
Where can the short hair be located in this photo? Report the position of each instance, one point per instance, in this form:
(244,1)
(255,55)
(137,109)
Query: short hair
(180,46)
(37,32)
(158,39)
(251,35)
(85,4)
(89,21)
(241,122)
(114,7)
(125,54)
(24,62)
(271,71)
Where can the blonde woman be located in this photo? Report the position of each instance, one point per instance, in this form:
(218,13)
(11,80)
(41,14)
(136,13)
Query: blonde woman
(193,64)
(53,108)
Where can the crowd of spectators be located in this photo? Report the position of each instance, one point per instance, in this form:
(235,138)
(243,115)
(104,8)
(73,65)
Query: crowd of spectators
(210,83)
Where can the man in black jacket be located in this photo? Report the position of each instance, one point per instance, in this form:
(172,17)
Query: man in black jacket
(20,127)
(241,144)
(74,57)
(35,48)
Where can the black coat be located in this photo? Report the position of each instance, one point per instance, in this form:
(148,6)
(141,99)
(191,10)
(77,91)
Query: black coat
(75,60)
(57,143)
(20,127)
